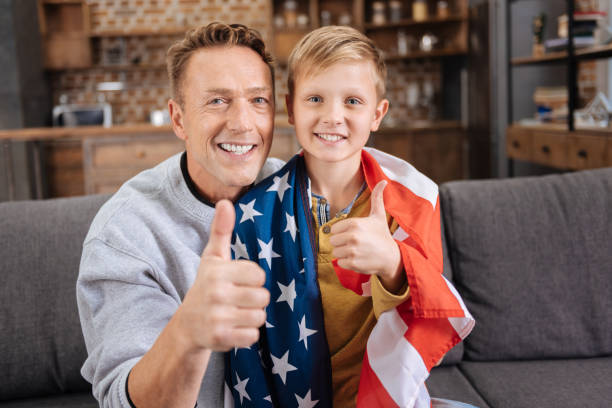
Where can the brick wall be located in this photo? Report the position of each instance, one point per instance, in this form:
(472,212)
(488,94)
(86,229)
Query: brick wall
(139,61)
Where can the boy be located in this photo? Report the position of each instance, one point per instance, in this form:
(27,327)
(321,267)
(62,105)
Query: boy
(374,344)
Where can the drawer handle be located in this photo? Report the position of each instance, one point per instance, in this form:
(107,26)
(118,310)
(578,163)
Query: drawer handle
(141,154)
(545,149)
(516,144)
(582,153)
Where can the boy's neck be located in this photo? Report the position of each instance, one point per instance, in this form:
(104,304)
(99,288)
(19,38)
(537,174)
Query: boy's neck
(338,182)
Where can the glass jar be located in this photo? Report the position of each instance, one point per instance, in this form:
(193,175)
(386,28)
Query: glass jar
(395,11)
(419,10)
(378,13)
(290,13)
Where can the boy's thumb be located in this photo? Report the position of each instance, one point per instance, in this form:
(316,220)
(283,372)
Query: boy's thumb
(221,231)
(377,206)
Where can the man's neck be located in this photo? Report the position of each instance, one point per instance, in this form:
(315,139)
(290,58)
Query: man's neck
(207,188)
(337,182)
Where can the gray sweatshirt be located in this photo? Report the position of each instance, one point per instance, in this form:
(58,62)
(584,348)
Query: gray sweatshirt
(139,259)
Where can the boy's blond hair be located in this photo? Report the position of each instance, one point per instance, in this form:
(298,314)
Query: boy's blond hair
(326,46)
(215,34)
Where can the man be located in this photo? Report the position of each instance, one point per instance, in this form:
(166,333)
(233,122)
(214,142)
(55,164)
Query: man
(157,292)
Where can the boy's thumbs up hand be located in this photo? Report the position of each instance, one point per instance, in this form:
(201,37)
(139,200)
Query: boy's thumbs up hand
(226,304)
(365,245)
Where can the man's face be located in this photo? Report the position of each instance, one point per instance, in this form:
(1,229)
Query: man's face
(226,120)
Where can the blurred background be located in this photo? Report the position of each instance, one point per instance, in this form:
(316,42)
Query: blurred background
(478,89)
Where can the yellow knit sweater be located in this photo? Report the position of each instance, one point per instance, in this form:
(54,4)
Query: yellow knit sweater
(349,318)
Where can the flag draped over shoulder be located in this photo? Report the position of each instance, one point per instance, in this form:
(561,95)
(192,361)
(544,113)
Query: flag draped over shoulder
(290,365)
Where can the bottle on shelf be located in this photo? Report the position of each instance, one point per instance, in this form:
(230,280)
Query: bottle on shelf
(378,13)
(419,10)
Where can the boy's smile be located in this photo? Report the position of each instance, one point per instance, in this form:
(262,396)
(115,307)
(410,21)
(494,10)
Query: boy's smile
(335,110)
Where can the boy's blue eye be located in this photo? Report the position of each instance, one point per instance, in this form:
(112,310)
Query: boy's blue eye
(353,101)
(315,99)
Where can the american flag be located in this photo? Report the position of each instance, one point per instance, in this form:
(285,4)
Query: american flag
(290,365)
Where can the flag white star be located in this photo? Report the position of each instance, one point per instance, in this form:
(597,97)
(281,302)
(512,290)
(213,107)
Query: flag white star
(248,212)
(241,388)
(305,332)
(282,366)
(291,227)
(267,252)
(287,293)
(306,402)
(240,249)
(280,185)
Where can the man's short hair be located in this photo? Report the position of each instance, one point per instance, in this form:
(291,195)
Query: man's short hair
(215,34)
(329,45)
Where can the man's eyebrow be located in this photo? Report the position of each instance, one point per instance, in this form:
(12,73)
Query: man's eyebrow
(227,91)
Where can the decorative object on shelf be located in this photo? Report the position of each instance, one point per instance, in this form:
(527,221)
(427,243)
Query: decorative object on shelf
(539,24)
(325,18)
(551,103)
(302,21)
(378,13)
(419,10)
(596,114)
(403,46)
(442,9)
(428,42)
(395,11)
(279,22)
(290,13)
(345,19)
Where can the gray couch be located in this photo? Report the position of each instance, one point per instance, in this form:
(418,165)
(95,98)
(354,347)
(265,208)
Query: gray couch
(532,258)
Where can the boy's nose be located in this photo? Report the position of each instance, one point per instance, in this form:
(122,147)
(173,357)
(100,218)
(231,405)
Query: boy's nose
(334,115)
(239,119)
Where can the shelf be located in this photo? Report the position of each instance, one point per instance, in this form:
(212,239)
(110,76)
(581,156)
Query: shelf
(115,68)
(423,54)
(560,128)
(411,22)
(559,56)
(140,32)
(600,51)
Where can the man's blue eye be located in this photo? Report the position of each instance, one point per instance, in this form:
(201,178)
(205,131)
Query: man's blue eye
(260,100)
(216,101)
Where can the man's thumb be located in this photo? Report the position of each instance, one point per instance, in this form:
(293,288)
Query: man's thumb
(377,206)
(221,231)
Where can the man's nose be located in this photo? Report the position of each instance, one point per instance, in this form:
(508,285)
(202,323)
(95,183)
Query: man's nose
(239,118)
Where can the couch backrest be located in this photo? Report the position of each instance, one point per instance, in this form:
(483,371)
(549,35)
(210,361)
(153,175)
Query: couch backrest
(41,344)
(532,258)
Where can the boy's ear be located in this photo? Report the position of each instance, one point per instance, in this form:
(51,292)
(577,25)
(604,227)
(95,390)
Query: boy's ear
(379,114)
(176,115)
(289,104)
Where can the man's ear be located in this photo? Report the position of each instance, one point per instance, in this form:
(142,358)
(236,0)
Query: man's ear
(289,104)
(176,115)
(379,114)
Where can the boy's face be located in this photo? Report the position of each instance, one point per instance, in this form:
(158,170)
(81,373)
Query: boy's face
(335,110)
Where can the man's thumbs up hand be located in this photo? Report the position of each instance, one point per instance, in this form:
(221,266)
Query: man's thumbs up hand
(221,229)
(365,245)
(226,304)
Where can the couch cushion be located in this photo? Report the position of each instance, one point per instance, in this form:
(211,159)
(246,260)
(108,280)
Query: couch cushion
(41,343)
(450,383)
(543,384)
(79,400)
(532,259)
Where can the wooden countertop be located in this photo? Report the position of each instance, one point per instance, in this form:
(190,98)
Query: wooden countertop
(55,133)
(81,132)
